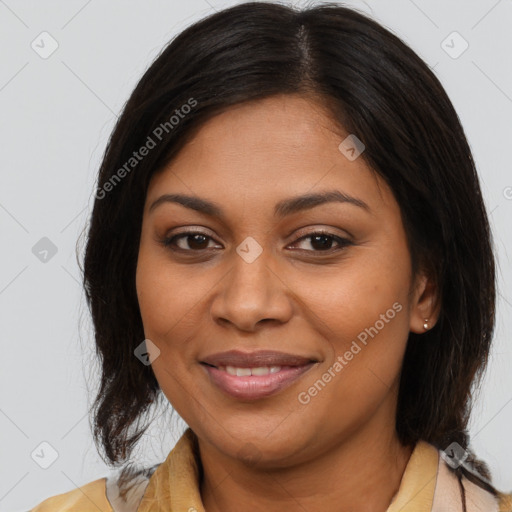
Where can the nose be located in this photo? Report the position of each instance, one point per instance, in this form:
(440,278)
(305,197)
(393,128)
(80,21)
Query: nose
(251,294)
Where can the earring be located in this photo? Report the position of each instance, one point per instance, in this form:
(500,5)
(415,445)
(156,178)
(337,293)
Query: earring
(425,325)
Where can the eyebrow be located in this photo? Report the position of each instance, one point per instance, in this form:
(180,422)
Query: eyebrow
(282,209)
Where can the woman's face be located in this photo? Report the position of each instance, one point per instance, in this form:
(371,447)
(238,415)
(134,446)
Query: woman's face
(328,281)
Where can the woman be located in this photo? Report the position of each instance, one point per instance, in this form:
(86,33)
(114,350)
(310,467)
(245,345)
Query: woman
(283,244)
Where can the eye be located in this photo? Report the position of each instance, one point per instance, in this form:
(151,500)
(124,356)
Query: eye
(197,241)
(322,241)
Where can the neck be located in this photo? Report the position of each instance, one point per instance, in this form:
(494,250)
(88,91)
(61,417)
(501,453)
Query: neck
(362,473)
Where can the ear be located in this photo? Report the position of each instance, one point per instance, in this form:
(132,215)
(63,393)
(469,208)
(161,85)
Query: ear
(425,305)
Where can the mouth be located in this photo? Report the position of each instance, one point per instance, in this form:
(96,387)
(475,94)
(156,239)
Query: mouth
(256,375)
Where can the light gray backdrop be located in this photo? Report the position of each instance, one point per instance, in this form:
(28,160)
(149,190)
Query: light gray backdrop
(66,70)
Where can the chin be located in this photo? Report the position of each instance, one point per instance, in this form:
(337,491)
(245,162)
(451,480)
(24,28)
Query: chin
(253,445)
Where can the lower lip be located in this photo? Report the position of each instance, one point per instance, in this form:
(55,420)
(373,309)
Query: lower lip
(253,387)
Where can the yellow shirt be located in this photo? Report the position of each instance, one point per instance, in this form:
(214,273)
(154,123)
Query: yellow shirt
(427,485)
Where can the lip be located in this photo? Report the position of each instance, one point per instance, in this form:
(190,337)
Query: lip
(254,387)
(255,359)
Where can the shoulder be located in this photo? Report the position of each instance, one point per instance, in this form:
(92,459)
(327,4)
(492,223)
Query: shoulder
(90,497)
(121,491)
(505,501)
(453,487)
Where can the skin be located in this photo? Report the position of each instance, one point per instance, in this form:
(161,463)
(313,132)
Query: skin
(339,451)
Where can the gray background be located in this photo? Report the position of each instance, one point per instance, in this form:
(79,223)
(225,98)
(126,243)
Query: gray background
(57,113)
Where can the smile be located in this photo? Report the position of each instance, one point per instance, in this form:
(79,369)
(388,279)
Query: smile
(254,383)
(244,372)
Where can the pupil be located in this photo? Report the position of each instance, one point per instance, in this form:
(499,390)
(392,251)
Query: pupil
(327,241)
(195,238)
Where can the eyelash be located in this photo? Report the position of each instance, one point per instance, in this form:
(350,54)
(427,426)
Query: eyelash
(342,242)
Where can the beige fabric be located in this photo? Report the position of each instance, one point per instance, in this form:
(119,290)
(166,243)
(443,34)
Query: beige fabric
(427,486)
(416,490)
(132,498)
(174,486)
(88,498)
(448,495)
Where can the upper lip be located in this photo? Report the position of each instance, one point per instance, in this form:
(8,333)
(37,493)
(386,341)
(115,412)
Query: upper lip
(255,359)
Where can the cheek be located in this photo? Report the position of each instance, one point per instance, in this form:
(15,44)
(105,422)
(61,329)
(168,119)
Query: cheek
(363,314)
(363,364)
(166,302)
(166,295)
(152,294)
(349,299)
(368,347)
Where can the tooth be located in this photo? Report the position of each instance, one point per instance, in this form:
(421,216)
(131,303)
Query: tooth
(245,372)
(262,370)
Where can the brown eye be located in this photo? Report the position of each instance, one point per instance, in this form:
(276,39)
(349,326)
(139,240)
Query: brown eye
(197,241)
(192,241)
(323,242)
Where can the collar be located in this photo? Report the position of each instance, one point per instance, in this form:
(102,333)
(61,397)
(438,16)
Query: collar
(174,486)
(427,484)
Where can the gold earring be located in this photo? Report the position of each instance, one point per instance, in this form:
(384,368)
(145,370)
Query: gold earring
(425,325)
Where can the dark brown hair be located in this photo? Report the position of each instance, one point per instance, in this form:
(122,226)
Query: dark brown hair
(377,88)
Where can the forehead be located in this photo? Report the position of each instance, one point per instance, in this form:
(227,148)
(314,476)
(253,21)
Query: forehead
(265,150)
